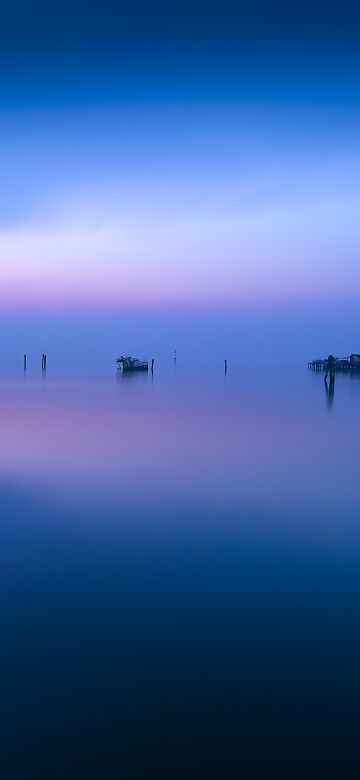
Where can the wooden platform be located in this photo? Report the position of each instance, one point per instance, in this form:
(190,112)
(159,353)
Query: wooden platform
(338,365)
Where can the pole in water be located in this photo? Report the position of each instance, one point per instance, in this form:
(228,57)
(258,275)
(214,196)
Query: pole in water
(152,365)
(25,359)
(175,356)
(225,366)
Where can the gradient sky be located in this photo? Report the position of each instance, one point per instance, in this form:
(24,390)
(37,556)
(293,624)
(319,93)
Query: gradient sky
(165,153)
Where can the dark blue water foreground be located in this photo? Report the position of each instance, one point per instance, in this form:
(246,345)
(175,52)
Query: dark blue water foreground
(180,576)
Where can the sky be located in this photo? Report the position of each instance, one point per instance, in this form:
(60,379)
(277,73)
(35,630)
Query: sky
(176,154)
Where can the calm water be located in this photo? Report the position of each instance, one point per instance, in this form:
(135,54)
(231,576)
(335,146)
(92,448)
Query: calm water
(180,574)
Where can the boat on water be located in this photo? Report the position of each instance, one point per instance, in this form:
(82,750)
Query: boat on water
(132,364)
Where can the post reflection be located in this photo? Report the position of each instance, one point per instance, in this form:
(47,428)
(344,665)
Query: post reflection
(330,391)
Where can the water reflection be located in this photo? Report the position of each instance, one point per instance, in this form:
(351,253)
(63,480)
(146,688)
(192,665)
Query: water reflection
(175,559)
(133,376)
(235,445)
(330,391)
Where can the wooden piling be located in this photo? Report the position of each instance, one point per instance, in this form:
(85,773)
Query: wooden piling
(225,366)
(152,365)
(25,360)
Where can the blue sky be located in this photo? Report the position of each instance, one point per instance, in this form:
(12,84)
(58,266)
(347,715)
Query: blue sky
(79,52)
(179,154)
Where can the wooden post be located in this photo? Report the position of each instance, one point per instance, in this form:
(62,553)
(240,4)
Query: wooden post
(152,366)
(175,356)
(225,366)
(24,362)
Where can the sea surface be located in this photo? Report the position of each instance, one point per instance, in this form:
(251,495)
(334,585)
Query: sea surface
(179,572)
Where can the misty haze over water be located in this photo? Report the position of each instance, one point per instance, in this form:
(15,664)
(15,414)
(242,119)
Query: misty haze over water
(264,335)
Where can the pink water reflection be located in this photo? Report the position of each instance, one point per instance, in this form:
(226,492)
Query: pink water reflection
(129,445)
